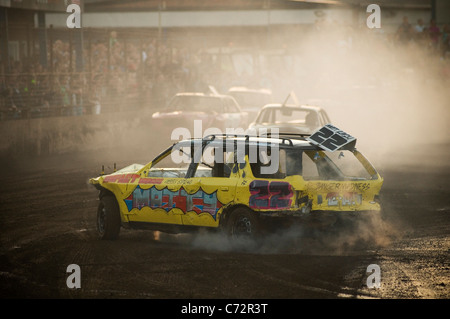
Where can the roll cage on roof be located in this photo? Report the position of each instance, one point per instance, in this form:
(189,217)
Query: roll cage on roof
(282,138)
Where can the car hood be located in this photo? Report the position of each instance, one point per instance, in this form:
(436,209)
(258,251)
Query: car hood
(133,168)
(130,169)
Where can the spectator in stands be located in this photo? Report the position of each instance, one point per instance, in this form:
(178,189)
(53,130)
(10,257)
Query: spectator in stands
(9,107)
(93,98)
(419,29)
(64,89)
(160,92)
(112,39)
(445,40)
(404,31)
(15,102)
(433,33)
(77,85)
(55,96)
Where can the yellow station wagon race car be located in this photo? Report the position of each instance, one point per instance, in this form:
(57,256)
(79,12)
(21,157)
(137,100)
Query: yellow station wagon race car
(239,184)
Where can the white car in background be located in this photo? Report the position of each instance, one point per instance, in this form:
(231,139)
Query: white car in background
(289,119)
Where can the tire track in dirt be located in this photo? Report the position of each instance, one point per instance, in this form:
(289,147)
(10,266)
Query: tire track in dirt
(414,268)
(55,226)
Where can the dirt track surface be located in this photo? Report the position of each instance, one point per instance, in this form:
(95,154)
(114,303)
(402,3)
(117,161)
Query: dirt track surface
(48,222)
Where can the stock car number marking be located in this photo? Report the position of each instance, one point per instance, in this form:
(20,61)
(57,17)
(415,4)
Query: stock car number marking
(330,138)
(270,195)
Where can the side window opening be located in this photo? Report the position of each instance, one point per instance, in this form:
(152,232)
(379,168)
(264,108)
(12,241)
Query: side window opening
(309,168)
(266,116)
(265,158)
(215,162)
(293,162)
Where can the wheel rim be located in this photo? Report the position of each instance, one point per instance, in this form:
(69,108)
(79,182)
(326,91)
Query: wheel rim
(101,220)
(242,227)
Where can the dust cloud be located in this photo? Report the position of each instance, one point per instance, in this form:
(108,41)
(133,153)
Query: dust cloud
(393,97)
(351,235)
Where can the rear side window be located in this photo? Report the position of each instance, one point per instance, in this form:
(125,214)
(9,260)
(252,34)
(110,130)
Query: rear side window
(265,116)
(309,168)
(215,162)
(339,165)
(279,162)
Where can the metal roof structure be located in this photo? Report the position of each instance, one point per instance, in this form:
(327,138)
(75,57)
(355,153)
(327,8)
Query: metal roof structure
(47,6)
(187,5)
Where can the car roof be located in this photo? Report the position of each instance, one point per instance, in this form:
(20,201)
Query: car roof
(243,89)
(292,106)
(200,94)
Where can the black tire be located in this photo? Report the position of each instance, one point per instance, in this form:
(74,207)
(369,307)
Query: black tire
(108,218)
(243,223)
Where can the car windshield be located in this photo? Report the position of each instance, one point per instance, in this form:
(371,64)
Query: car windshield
(284,116)
(195,103)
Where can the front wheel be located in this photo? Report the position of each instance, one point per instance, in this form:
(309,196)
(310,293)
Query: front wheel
(108,218)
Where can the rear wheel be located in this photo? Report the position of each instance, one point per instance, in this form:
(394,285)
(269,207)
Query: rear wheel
(108,218)
(243,223)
